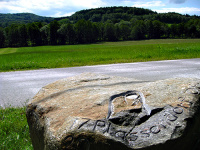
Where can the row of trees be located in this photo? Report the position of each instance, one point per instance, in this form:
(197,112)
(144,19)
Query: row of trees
(35,34)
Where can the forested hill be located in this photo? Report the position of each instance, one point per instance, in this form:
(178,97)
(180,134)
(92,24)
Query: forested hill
(21,18)
(114,14)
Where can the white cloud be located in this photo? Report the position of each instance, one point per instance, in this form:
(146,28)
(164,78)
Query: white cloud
(18,6)
(148,4)
(183,10)
(61,14)
(87,3)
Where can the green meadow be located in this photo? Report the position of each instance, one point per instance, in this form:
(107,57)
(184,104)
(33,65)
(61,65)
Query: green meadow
(27,58)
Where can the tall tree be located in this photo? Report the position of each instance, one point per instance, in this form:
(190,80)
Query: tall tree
(45,35)
(125,29)
(2,37)
(71,34)
(67,34)
(101,32)
(23,35)
(138,31)
(12,36)
(157,32)
(95,32)
(110,32)
(80,28)
(54,26)
(85,31)
(149,29)
(174,30)
(34,34)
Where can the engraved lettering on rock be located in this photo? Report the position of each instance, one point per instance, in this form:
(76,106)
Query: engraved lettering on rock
(102,126)
(68,140)
(129,130)
(120,135)
(155,129)
(178,110)
(170,116)
(132,137)
(145,133)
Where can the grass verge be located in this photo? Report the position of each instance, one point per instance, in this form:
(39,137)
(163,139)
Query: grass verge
(14,130)
(27,58)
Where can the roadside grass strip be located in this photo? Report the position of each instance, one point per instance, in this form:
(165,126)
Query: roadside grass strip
(28,58)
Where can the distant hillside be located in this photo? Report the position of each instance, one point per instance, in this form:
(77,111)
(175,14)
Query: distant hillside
(116,14)
(21,18)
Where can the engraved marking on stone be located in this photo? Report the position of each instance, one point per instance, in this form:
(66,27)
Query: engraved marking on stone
(75,121)
(102,126)
(181,99)
(111,130)
(163,126)
(101,123)
(107,130)
(131,94)
(169,123)
(198,85)
(95,125)
(132,137)
(155,129)
(68,140)
(184,105)
(171,117)
(147,108)
(120,134)
(145,133)
(192,90)
(83,123)
(178,110)
(106,126)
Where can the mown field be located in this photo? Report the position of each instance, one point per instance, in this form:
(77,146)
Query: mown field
(13,125)
(26,58)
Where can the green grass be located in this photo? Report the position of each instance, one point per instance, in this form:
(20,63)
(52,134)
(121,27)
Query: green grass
(27,58)
(14,130)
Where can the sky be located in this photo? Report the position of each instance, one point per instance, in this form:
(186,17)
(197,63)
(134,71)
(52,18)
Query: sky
(60,8)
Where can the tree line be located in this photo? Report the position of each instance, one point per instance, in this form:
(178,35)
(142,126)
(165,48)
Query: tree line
(82,32)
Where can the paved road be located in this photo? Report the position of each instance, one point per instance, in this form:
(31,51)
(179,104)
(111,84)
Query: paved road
(16,88)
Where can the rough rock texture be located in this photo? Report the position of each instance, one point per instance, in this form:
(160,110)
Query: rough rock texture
(95,112)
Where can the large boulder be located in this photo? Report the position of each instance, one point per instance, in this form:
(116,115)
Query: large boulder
(99,112)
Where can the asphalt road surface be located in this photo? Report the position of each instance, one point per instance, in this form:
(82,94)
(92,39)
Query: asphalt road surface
(16,88)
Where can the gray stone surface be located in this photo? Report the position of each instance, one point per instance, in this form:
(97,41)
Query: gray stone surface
(95,112)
